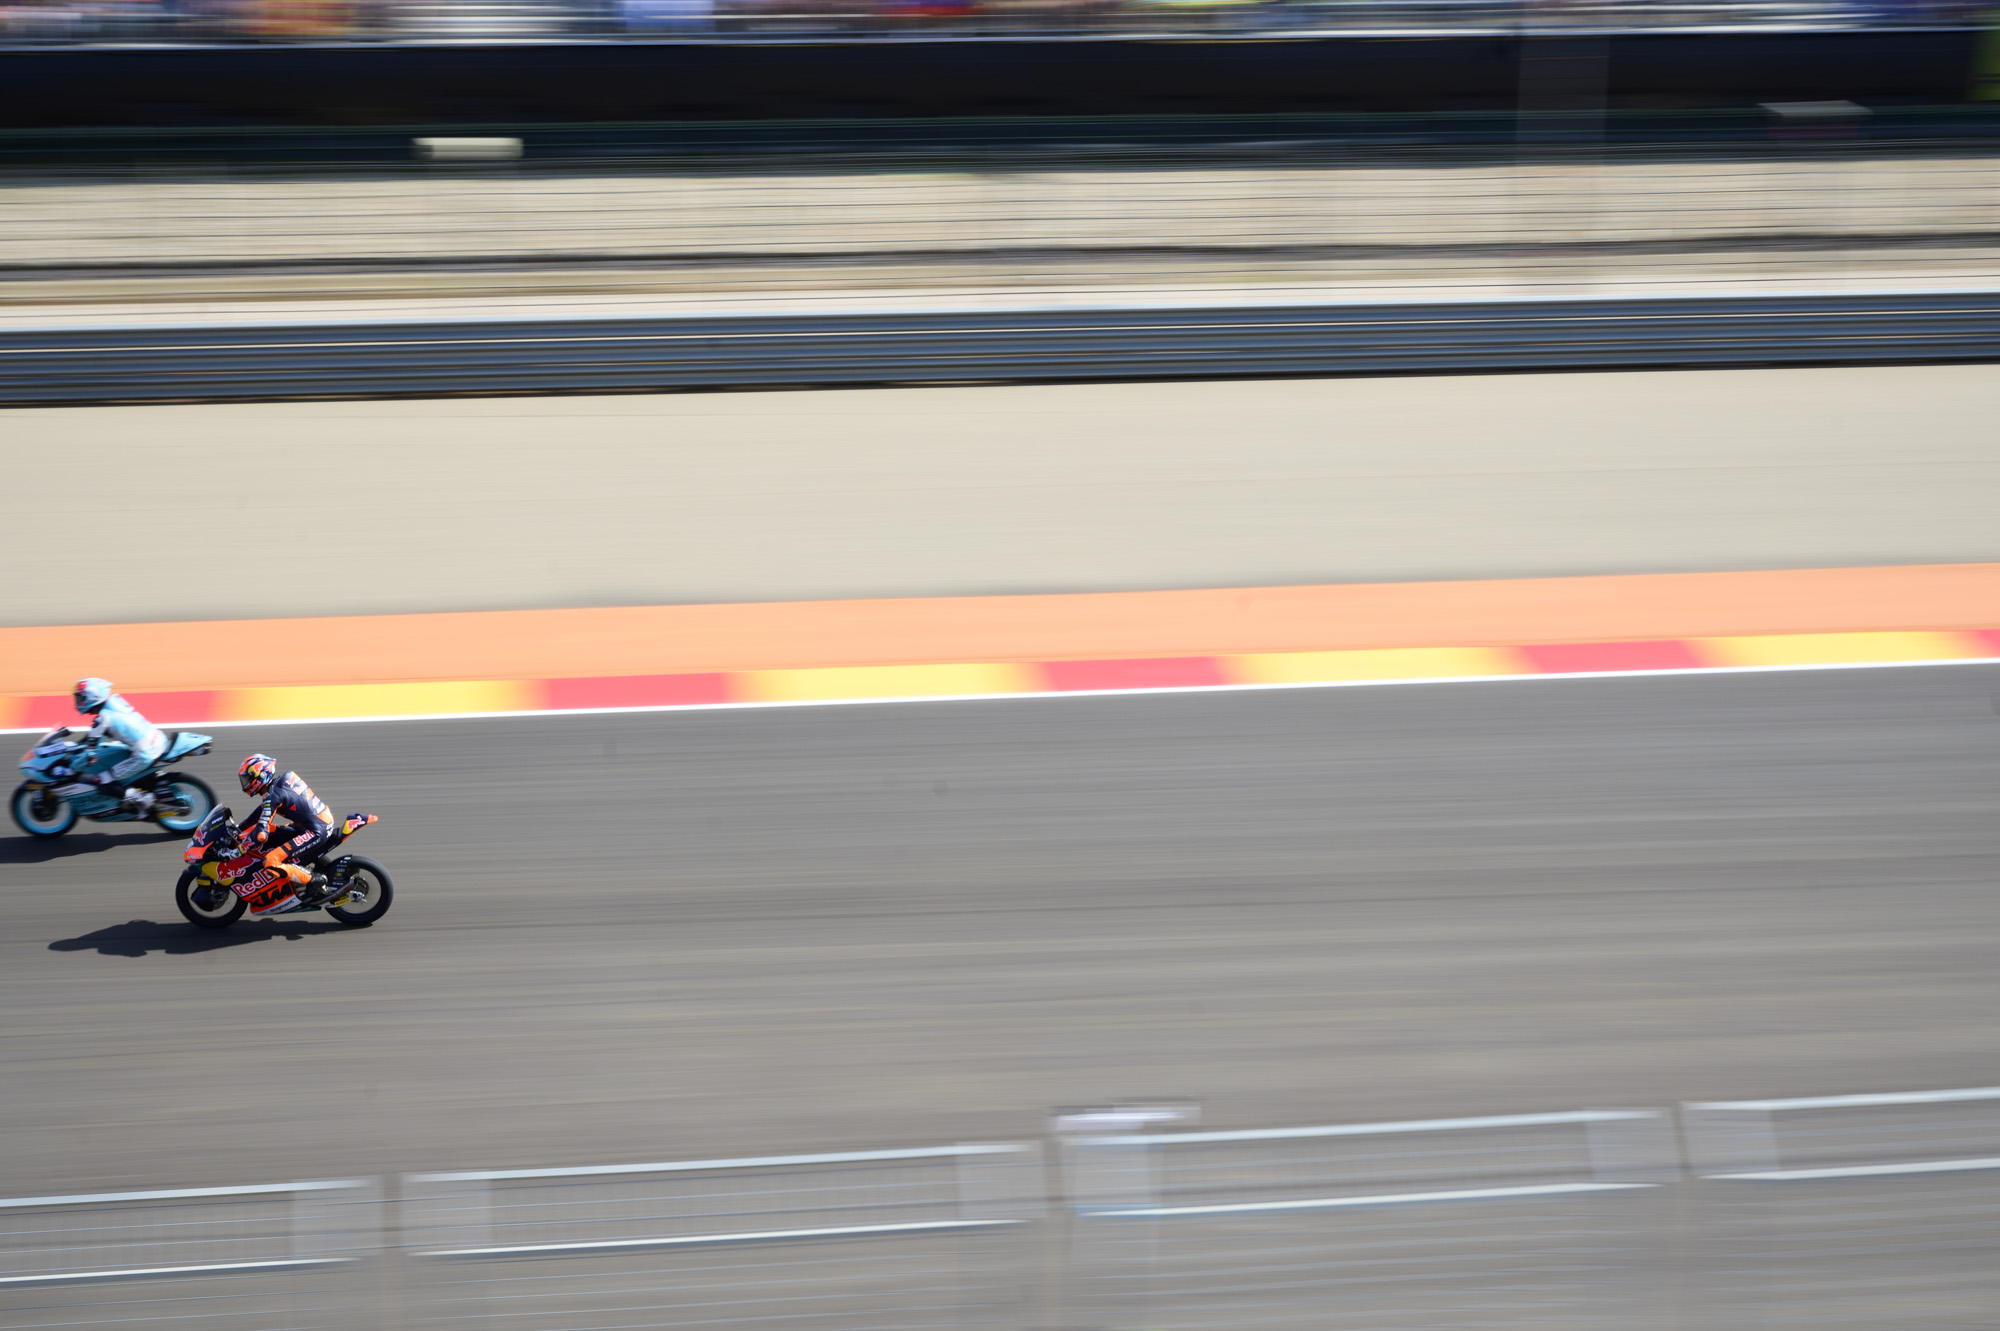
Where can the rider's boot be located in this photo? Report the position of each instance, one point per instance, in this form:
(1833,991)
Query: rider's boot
(310,886)
(138,802)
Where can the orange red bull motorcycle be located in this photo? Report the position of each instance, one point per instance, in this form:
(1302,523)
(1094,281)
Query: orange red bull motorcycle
(222,884)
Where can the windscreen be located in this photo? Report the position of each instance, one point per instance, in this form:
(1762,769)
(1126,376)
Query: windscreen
(217,818)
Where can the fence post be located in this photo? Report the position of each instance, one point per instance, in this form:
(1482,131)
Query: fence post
(1108,1266)
(1729,1139)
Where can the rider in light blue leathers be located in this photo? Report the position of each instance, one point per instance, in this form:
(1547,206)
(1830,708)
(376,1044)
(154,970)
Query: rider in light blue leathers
(118,720)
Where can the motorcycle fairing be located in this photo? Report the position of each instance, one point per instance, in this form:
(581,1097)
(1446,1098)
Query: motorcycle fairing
(271,899)
(101,807)
(353,823)
(59,758)
(50,745)
(184,744)
(91,801)
(205,834)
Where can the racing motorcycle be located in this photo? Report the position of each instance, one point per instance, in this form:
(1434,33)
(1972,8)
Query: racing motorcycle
(54,796)
(220,885)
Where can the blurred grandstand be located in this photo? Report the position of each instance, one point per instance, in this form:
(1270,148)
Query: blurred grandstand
(178,22)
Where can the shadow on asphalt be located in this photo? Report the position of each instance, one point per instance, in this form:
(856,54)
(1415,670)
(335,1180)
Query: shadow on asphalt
(139,938)
(40,850)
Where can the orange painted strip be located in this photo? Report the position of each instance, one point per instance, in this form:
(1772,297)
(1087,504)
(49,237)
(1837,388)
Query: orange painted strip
(933,680)
(1836,648)
(650,640)
(897,681)
(433,699)
(1378,663)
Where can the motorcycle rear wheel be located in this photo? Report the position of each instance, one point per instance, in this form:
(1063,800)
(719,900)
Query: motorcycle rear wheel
(371,881)
(203,904)
(193,794)
(33,814)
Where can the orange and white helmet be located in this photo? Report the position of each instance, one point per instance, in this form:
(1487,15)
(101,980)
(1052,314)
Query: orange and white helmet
(257,775)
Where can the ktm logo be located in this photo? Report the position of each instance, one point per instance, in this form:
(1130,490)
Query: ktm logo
(269,896)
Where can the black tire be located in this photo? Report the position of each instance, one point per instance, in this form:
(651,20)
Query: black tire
(380,892)
(195,910)
(33,815)
(200,798)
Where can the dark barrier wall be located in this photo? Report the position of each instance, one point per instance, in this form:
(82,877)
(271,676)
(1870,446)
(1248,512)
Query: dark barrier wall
(595,355)
(767,80)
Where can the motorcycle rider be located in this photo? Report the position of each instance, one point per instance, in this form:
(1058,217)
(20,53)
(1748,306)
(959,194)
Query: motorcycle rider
(119,720)
(312,826)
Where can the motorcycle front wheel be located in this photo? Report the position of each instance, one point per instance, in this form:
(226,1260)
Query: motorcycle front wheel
(183,801)
(369,893)
(203,904)
(41,812)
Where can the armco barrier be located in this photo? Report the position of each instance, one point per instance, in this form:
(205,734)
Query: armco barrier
(1865,1211)
(854,1240)
(1848,1210)
(558,355)
(263,1255)
(1529,1220)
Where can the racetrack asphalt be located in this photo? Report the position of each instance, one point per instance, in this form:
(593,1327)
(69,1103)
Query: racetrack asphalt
(680,935)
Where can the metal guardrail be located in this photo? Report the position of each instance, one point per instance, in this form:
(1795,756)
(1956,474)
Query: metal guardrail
(1849,1210)
(1829,1212)
(1833,1136)
(215,1231)
(1528,1220)
(585,355)
(853,1239)
(254,1255)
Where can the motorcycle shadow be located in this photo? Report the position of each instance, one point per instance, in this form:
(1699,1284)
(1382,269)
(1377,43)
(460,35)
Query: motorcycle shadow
(40,850)
(139,938)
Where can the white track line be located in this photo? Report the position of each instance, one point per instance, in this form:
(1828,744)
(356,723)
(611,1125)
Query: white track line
(1863,1171)
(749,1162)
(1380,1199)
(1376,1129)
(183,1194)
(1059,693)
(161,1272)
(705,1240)
(1857,1101)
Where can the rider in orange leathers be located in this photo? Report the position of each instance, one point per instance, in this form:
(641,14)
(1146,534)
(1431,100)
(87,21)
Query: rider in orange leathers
(312,827)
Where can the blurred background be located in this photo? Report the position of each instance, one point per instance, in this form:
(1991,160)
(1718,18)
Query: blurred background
(434,20)
(1655,1002)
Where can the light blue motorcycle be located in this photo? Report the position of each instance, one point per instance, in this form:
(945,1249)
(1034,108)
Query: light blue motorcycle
(54,796)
